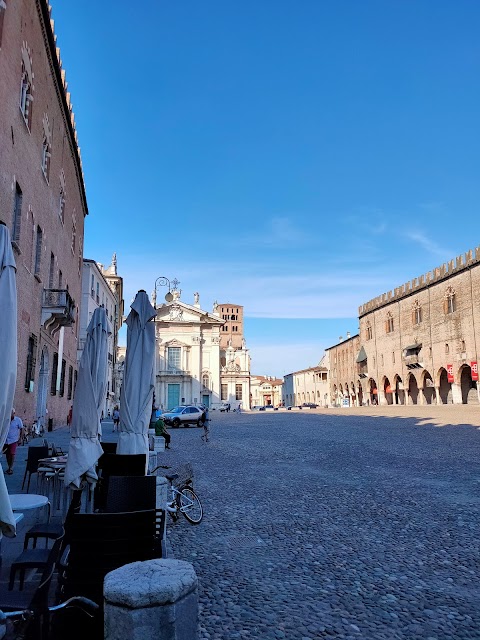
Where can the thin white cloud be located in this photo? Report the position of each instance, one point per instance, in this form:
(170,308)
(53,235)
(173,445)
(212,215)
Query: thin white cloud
(429,245)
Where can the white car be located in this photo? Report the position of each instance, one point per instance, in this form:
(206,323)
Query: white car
(184,416)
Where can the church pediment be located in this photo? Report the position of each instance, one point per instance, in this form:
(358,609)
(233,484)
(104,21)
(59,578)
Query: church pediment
(178,311)
(175,343)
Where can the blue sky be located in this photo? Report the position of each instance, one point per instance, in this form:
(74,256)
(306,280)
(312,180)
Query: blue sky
(297,157)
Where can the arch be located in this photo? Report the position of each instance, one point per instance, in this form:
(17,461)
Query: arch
(360,394)
(43,379)
(468,387)
(444,386)
(387,390)
(372,391)
(428,388)
(399,389)
(412,389)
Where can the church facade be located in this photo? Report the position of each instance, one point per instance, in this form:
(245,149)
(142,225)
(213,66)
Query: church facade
(192,366)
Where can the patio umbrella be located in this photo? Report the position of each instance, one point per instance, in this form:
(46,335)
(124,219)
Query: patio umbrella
(138,379)
(8,360)
(85,448)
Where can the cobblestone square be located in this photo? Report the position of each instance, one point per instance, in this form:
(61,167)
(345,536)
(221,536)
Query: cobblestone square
(338,524)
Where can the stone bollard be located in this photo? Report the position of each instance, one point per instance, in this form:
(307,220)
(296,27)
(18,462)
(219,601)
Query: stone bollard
(153,600)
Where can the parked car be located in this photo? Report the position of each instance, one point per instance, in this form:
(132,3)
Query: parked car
(184,416)
(310,405)
(269,406)
(258,407)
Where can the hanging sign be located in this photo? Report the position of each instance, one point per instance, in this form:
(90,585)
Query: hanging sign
(450,372)
(474,367)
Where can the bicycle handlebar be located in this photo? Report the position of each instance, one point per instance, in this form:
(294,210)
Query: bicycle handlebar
(89,607)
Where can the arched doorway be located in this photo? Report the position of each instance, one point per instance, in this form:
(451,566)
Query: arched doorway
(373,391)
(444,387)
(360,394)
(468,386)
(353,399)
(43,377)
(428,389)
(413,389)
(387,389)
(399,390)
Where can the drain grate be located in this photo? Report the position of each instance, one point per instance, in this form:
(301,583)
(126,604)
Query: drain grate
(244,541)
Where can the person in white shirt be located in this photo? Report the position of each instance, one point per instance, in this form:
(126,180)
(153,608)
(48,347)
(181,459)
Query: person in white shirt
(11,443)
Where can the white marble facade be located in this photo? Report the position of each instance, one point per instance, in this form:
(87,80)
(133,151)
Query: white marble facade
(189,359)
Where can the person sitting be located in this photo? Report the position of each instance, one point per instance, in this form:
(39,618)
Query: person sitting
(161,430)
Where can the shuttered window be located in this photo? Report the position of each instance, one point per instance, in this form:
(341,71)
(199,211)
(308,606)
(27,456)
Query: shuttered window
(53,382)
(31,361)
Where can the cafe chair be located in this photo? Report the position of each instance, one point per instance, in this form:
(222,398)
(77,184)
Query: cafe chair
(100,543)
(109,447)
(33,559)
(34,455)
(50,531)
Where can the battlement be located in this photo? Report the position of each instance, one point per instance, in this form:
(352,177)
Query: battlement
(71,114)
(445,271)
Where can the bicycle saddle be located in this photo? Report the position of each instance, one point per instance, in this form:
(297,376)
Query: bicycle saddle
(171,477)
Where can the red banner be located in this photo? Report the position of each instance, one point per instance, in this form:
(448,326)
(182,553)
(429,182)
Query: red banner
(450,372)
(474,367)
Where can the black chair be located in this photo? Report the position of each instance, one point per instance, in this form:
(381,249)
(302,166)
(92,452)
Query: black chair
(137,493)
(49,530)
(117,465)
(109,447)
(34,455)
(37,628)
(102,542)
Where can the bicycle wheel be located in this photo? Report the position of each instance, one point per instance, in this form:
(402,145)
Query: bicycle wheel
(190,505)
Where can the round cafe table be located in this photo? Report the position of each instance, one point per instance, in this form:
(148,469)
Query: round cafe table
(26,501)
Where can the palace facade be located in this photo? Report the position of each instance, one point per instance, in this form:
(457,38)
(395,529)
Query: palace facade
(418,344)
(43,202)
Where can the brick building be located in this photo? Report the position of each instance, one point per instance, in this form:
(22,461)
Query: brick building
(232,330)
(43,202)
(419,344)
(344,381)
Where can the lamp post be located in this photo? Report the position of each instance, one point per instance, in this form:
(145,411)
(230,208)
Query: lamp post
(162,281)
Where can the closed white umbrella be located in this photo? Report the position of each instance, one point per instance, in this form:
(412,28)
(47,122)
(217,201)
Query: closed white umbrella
(138,379)
(8,363)
(85,448)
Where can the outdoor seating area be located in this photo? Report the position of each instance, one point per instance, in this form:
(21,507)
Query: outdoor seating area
(69,552)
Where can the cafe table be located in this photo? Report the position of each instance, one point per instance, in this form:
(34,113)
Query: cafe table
(27,501)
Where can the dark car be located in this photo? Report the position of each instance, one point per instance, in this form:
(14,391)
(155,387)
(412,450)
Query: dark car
(184,416)
(310,405)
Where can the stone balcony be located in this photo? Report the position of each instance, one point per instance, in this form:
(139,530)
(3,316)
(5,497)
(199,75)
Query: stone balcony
(172,372)
(58,309)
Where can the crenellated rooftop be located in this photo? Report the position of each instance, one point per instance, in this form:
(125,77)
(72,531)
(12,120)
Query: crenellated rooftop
(445,271)
(46,10)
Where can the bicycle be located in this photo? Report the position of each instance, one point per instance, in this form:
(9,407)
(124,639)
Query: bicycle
(206,431)
(16,625)
(183,500)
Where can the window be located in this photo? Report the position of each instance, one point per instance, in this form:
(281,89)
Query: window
(381,359)
(75,376)
(17,214)
(62,379)
(462,346)
(53,382)
(74,234)
(31,361)
(3,7)
(389,323)
(393,357)
(26,87)
(174,355)
(38,252)
(224,392)
(98,293)
(447,349)
(450,302)
(51,273)
(238,392)
(417,313)
(60,279)
(205,381)
(92,287)
(62,198)
(368,331)
(70,382)
(46,148)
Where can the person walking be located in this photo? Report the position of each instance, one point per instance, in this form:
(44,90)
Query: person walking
(116,418)
(206,426)
(11,443)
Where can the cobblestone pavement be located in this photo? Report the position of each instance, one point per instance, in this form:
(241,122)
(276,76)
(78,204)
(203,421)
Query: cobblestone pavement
(335,524)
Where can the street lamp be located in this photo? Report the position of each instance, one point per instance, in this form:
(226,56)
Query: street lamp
(162,281)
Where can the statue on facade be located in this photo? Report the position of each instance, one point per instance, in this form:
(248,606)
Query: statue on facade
(196,297)
(215,307)
(244,344)
(154,297)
